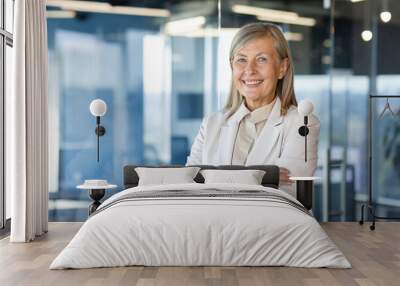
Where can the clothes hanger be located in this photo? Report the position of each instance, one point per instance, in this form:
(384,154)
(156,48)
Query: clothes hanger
(387,107)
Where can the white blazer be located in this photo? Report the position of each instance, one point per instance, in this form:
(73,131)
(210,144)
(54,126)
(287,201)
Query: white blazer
(279,142)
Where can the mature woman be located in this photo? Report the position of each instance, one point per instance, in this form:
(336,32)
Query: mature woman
(260,122)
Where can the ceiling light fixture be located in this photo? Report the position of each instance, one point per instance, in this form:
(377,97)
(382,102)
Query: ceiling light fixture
(366,35)
(294,37)
(60,14)
(385,15)
(184,25)
(273,15)
(106,8)
(301,21)
(262,12)
(214,32)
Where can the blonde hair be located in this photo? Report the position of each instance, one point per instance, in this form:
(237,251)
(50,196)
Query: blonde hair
(284,88)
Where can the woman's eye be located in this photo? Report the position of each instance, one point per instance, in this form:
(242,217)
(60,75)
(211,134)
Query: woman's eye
(240,60)
(261,60)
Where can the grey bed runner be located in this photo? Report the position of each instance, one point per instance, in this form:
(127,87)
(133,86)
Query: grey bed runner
(206,194)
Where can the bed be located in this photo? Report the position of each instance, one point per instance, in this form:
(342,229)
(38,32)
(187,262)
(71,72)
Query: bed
(201,224)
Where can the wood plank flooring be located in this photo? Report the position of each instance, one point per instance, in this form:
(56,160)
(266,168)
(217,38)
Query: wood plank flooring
(374,255)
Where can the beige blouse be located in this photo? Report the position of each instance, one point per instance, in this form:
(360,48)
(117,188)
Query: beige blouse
(250,126)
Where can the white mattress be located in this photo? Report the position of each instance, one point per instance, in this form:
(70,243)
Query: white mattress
(200,231)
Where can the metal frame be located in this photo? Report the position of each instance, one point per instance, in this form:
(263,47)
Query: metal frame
(327,168)
(371,206)
(6,39)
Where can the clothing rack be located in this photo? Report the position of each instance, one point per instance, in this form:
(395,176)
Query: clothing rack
(370,206)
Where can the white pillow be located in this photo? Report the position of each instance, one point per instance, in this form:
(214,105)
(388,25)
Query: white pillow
(165,176)
(249,177)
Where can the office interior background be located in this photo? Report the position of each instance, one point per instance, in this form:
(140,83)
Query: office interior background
(163,67)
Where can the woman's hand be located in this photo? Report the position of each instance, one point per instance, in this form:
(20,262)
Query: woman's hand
(284,175)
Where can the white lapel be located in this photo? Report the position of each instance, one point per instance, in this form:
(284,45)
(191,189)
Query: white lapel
(226,142)
(228,135)
(267,142)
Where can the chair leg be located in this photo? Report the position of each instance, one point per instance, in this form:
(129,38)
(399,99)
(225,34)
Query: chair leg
(361,222)
(372,226)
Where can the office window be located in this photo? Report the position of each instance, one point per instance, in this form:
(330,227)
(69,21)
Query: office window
(140,70)
(159,80)
(190,106)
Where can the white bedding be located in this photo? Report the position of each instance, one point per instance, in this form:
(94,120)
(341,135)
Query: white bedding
(200,231)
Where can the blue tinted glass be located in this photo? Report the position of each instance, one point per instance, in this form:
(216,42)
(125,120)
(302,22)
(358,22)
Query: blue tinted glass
(159,83)
(140,72)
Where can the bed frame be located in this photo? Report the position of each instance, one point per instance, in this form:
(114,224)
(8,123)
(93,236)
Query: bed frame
(270,179)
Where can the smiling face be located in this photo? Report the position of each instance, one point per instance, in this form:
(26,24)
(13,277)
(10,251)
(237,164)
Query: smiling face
(256,69)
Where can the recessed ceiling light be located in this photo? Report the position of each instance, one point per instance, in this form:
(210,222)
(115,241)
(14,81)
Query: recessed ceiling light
(366,35)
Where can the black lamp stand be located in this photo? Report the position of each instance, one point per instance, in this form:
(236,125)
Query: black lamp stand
(303,131)
(370,206)
(100,131)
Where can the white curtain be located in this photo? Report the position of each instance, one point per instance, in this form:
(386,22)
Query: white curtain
(26,123)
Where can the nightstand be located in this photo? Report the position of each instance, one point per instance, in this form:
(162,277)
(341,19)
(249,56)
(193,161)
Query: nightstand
(97,190)
(305,190)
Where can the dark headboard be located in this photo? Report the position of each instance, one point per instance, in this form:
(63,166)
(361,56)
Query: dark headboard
(270,179)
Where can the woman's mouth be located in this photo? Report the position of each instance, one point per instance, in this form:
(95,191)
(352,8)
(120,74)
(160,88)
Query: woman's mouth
(252,83)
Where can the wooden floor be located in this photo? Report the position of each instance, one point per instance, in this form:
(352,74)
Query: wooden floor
(374,255)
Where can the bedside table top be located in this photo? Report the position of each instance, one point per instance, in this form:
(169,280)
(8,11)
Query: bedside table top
(304,178)
(96,185)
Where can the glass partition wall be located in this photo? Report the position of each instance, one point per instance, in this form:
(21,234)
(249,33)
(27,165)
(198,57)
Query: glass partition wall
(366,63)
(161,66)
(151,62)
